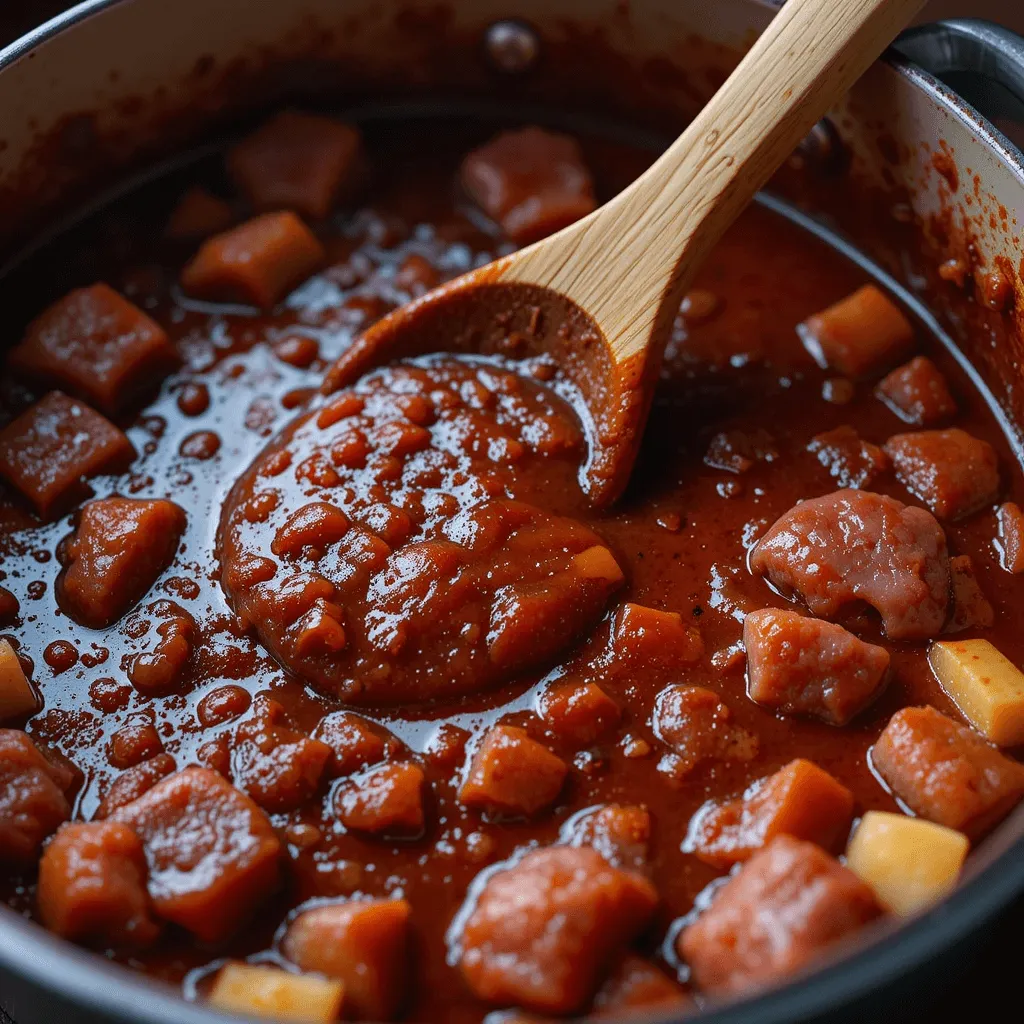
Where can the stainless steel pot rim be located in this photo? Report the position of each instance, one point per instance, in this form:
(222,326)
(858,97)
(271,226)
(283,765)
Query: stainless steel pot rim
(106,988)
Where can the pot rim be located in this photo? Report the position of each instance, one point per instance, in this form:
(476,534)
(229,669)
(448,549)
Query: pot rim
(103,987)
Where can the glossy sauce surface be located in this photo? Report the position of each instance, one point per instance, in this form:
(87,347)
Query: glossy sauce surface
(681,535)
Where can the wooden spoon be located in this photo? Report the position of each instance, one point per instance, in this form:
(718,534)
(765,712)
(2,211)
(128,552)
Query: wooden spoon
(601,295)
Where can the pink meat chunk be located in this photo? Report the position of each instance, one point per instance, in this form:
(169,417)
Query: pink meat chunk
(918,393)
(851,461)
(543,932)
(953,473)
(787,905)
(802,666)
(859,546)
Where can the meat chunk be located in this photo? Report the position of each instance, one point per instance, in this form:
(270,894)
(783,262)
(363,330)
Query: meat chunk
(17,696)
(860,546)
(212,853)
(259,262)
(802,666)
(133,782)
(97,345)
(197,215)
(119,548)
(621,833)
(953,473)
(52,448)
(577,713)
(1010,542)
(354,742)
(386,801)
(532,182)
(649,638)
(789,903)
(859,336)
(364,943)
(512,775)
(543,931)
(279,767)
(918,393)
(32,799)
(800,800)
(636,986)
(699,727)
(92,887)
(946,772)
(850,461)
(971,609)
(296,161)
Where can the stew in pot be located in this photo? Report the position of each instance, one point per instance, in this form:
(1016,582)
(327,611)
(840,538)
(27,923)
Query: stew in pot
(344,703)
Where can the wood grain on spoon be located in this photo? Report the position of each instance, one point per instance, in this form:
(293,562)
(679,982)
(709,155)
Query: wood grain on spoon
(601,295)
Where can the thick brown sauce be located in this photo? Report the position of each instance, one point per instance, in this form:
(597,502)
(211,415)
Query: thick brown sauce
(743,368)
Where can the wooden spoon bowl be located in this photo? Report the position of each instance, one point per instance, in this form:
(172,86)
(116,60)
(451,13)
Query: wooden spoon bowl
(600,296)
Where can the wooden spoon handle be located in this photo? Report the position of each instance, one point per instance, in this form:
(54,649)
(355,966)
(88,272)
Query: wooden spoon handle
(633,257)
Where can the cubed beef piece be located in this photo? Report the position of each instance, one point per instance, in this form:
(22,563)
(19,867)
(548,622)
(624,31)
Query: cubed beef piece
(354,742)
(119,548)
(851,461)
(577,713)
(279,767)
(971,609)
(32,799)
(799,800)
(953,473)
(364,943)
(1010,542)
(133,782)
(788,904)
(259,262)
(18,698)
(543,932)
(512,775)
(98,346)
(386,801)
(802,666)
(159,669)
(197,215)
(635,986)
(92,887)
(859,546)
(532,182)
(212,853)
(946,772)
(48,452)
(296,161)
(698,727)
(737,451)
(859,336)
(917,392)
(650,638)
(621,833)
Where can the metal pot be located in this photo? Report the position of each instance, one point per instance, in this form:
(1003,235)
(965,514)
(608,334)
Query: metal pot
(904,169)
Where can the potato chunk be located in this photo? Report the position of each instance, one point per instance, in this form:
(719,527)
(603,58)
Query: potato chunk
(259,991)
(987,687)
(17,697)
(909,863)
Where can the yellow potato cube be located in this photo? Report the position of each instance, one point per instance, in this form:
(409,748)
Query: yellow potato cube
(17,697)
(262,991)
(986,687)
(909,863)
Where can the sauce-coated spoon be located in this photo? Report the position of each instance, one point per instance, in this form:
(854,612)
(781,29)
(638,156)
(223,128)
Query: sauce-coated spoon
(600,296)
